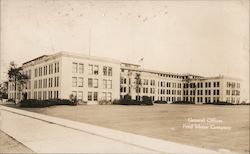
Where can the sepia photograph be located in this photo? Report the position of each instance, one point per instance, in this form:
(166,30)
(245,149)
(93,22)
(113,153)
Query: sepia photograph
(124,76)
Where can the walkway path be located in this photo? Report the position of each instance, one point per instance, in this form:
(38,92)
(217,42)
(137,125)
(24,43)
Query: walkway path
(46,134)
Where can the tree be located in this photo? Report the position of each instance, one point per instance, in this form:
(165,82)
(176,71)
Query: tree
(17,78)
(138,83)
(3,90)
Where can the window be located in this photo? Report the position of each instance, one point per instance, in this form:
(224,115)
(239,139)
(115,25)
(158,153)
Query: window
(104,84)
(109,96)
(109,86)
(90,69)
(74,81)
(44,95)
(74,67)
(110,71)
(40,84)
(90,82)
(95,96)
(95,83)
(145,82)
(104,96)
(57,81)
(80,82)
(35,84)
(81,68)
(45,70)
(80,95)
(56,67)
(89,96)
(105,70)
(36,72)
(96,69)
(74,93)
(51,69)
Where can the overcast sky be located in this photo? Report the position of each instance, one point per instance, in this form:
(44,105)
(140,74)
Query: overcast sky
(206,38)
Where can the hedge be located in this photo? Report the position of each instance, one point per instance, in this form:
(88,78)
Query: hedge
(161,102)
(128,101)
(33,103)
(183,102)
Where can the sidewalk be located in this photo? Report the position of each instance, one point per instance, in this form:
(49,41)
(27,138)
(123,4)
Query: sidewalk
(45,134)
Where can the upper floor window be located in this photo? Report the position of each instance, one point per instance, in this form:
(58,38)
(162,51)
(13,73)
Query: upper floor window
(109,85)
(81,68)
(105,70)
(56,67)
(80,82)
(74,67)
(90,82)
(96,69)
(110,71)
(45,70)
(95,83)
(35,72)
(105,84)
(74,81)
(90,69)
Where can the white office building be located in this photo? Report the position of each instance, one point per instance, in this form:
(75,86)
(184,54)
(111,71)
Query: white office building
(92,79)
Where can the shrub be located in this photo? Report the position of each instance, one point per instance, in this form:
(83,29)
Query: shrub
(104,102)
(10,100)
(146,100)
(222,103)
(116,102)
(161,102)
(183,102)
(128,101)
(45,103)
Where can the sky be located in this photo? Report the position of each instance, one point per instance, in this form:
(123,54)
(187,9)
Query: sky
(206,38)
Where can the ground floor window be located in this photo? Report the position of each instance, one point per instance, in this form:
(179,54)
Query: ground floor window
(80,95)
(95,96)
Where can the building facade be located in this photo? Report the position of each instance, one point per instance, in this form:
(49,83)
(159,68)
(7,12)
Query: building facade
(92,79)
(63,74)
(171,87)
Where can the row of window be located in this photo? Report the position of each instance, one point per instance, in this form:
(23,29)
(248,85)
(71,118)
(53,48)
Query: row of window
(233,85)
(200,85)
(43,95)
(92,69)
(169,98)
(159,74)
(92,83)
(169,92)
(45,83)
(168,84)
(47,69)
(200,92)
(233,92)
(93,96)
(233,100)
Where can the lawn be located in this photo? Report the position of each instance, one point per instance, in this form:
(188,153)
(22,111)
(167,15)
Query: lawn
(168,122)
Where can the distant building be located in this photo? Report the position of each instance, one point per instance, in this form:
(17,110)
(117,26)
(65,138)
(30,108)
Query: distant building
(92,79)
(172,87)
